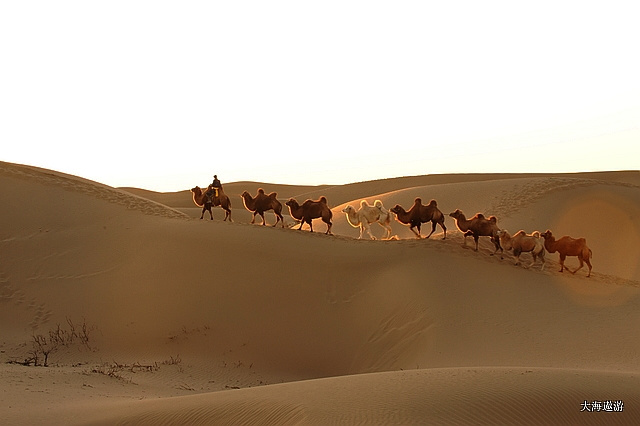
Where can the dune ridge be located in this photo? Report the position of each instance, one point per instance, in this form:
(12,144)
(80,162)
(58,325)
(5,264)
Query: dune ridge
(214,322)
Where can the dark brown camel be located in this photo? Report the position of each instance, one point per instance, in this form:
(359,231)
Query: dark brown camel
(261,203)
(310,210)
(419,214)
(208,199)
(478,226)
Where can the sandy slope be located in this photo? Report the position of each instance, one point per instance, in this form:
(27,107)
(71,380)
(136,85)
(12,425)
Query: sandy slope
(179,308)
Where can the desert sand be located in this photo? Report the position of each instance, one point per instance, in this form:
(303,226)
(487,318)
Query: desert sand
(152,316)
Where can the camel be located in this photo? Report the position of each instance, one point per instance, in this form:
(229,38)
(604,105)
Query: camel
(368,214)
(208,199)
(521,242)
(310,210)
(567,246)
(419,214)
(261,203)
(478,226)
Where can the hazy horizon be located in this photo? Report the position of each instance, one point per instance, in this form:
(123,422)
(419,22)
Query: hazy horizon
(161,96)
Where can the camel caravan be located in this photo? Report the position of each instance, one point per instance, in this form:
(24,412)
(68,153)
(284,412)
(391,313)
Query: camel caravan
(536,243)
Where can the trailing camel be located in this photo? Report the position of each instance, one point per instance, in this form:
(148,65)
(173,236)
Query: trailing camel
(368,214)
(567,246)
(310,210)
(419,214)
(478,226)
(209,199)
(262,203)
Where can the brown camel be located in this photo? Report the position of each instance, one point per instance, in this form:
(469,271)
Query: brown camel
(261,203)
(310,210)
(419,214)
(568,246)
(208,199)
(478,226)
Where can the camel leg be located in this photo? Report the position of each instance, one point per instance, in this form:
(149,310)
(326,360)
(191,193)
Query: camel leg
(367,227)
(444,228)
(310,222)
(387,227)
(475,239)
(253,219)
(496,243)
(203,209)
(264,221)
(329,225)
(210,212)
(277,220)
(589,265)
(433,228)
(414,231)
(562,258)
(579,267)
(467,234)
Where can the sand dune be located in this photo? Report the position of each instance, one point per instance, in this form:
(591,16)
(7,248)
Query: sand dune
(315,329)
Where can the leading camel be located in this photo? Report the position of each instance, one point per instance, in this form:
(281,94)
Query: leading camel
(208,199)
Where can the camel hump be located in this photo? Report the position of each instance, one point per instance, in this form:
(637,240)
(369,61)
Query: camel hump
(494,219)
(535,234)
(418,200)
(520,232)
(479,216)
(378,204)
(323,200)
(273,195)
(260,191)
(364,203)
(433,203)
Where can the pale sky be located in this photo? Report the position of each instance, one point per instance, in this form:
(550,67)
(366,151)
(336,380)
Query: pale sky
(161,95)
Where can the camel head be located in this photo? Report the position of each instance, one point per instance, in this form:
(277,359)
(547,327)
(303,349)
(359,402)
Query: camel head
(547,235)
(505,239)
(292,203)
(397,209)
(457,214)
(244,194)
(348,209)
(196,190)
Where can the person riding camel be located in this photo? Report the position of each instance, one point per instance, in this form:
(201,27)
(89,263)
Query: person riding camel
(216,185)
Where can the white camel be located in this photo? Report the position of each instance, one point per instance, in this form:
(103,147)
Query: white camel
(368,214)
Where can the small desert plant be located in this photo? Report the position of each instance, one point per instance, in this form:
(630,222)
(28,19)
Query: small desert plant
(42,346)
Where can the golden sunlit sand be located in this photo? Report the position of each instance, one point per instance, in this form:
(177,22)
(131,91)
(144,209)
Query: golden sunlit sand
(149,315)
